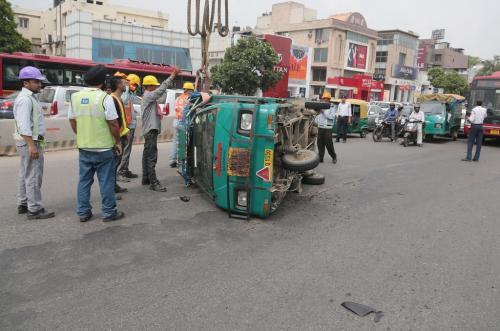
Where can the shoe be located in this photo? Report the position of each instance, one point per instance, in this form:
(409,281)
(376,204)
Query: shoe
(146,182)
(40,214)
(337,140)
(129,174)
(467,160)
(119,189)
(420,145)
(320,160)
(344,141)
(475,160)
(173,164)
(86,218)
(119,215)
(121,178)
(118,197)
(22,209)
(158,188)
(334,160)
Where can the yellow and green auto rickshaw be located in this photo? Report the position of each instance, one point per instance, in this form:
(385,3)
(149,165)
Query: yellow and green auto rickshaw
(443,114)
(359,123)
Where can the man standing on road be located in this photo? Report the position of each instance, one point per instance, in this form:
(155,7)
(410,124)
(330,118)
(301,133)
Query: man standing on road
(181,102)
(130,98)
(417,115)
(325,125)
(151,127)
(29,135)
(344,116)
(93,118)
(390,117)
(476,118)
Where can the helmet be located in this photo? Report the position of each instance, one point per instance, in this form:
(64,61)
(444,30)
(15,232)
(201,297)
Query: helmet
(150,80)
(326,95)
(134,79)
(30,73)
(120,74)
(188,86)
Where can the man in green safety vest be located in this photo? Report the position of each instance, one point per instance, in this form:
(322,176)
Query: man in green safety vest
(93,118)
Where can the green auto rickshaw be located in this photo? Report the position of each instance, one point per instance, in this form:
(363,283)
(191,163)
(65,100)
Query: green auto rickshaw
(443,114)
(359,123)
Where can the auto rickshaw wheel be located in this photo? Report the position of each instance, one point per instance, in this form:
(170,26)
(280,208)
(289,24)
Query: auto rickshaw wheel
(454,134)
(301,161)
(405,141)
(363,133)
(428,138)
(316,179)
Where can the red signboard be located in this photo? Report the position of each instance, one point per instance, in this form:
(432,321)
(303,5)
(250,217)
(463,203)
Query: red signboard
(356,56)
(421,57)
(282,46)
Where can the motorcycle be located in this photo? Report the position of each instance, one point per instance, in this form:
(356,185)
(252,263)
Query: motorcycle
(383,129)
(410,132)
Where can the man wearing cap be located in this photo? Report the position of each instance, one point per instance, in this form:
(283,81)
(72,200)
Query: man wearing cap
(325,125)
(181,102)
(29,136)
(151,127)
(130,98)
(93,117)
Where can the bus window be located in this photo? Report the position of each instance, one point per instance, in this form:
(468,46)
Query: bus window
(74,77)
(54,76)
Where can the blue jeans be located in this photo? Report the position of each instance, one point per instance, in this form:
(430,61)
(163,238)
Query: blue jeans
(475,137)
(102,163)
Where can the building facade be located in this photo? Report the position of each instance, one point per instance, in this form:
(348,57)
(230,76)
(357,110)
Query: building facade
(28,25)
(342,45)
(103,32)
(396,64)
(435,54)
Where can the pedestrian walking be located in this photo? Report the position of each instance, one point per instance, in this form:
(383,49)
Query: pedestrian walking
(130,98)
(181,102)
(344,117)
(118,85)
(151,127)
(93,118)
(30,142)
(476,119)
(324,120)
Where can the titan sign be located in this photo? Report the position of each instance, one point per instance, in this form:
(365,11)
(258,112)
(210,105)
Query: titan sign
(399,71)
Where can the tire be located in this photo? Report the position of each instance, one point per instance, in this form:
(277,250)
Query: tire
(363,133)
(316,179)
(454,134)
(428,138)
(317,105)
(377,135)
(301,161)
(405,142)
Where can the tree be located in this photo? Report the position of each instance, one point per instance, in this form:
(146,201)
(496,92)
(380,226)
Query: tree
(11,40)
(450,82)
(490,66)
(473,60)
(247,66)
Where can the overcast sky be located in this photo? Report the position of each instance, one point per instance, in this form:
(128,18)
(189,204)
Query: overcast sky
(473,25)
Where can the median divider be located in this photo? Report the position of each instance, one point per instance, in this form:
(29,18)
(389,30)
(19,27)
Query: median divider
(59,135)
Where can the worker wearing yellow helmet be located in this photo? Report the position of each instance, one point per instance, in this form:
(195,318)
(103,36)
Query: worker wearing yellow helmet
(324,120)
(181,102)
(151,127)
(130,98)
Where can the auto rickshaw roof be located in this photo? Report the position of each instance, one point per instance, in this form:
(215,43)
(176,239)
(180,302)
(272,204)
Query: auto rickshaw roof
(351,101)
(441,97)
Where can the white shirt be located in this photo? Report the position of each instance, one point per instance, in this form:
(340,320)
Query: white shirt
(109,108)
(344,109)
(477,115)
(23,107)
(417,116)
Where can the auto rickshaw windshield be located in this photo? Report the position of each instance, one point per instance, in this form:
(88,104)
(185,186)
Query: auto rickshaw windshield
(433,107)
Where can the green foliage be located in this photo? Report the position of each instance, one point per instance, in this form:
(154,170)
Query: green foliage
(473,60)
(450,82)
(246,67)
(11,40)
(490,66)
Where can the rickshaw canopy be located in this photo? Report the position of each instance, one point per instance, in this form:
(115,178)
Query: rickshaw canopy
(448,98)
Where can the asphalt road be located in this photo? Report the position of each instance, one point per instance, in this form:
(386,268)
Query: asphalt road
(412,231)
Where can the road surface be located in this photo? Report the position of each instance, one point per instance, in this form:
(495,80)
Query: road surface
(412,231)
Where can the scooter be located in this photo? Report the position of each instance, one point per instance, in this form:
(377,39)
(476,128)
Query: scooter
(383,129)
(411,132)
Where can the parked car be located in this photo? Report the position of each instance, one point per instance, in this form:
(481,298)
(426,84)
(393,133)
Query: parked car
(374,113)
(56,100)
(7,106)
(167,107)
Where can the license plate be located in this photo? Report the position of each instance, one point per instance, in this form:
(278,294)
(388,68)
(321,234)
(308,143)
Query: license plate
(495,132)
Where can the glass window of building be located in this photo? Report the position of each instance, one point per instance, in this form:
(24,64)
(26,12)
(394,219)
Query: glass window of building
(402,59)
(321,55)
(381,57)
(23,22)
(322,34)
(319,74)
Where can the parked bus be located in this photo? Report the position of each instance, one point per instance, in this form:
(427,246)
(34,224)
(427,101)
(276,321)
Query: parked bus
(68,71)
(486,89)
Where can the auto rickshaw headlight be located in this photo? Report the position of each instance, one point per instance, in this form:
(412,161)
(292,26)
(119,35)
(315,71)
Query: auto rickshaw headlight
(246,120)
(242,198)
(438,125)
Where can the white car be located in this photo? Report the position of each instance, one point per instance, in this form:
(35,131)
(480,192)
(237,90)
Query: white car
(56,100)
(167,107)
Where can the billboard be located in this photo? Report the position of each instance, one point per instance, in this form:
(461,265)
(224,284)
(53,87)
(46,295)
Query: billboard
(356,57)
(282,46)
(438,34)
(421,57)
(299,58)
(399,71)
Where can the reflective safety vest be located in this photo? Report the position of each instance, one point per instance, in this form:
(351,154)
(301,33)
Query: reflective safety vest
(181,102)
(124,130)
(92,127)
(36,117)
